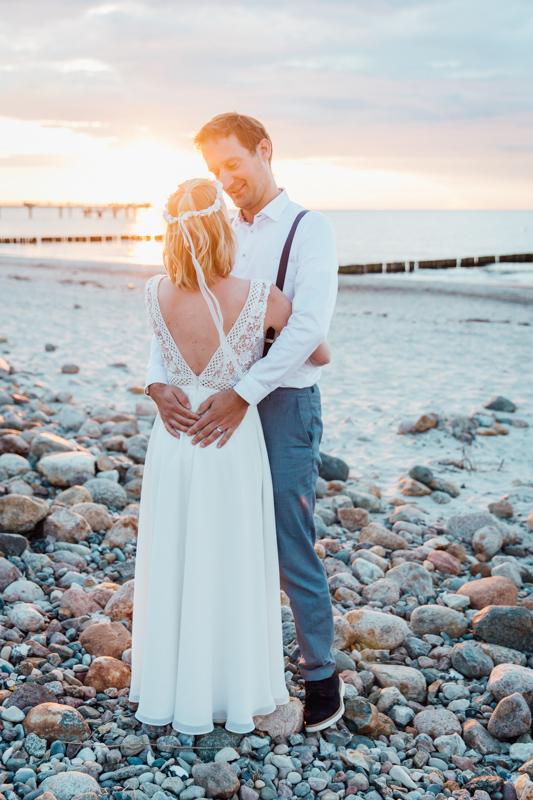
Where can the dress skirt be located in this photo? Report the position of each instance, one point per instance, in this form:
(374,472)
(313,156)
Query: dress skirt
(207,642)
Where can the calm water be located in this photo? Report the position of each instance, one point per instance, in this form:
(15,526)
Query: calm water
(362,236)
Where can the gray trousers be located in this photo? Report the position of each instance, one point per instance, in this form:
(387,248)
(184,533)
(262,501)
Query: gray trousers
(292,425)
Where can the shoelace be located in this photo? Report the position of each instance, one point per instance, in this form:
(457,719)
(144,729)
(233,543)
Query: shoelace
(323,688)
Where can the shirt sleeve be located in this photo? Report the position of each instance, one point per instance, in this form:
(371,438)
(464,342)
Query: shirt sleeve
(315,292)
(156,372)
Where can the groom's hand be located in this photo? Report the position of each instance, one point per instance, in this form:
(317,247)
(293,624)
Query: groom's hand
(224,410)
(174,408)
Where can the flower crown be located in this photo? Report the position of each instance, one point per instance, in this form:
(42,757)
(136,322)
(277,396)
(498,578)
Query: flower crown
(203,212)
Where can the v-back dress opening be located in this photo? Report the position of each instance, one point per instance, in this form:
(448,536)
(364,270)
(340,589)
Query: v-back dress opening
(207,643)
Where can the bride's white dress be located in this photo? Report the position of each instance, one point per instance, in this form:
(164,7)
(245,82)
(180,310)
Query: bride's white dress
(207,642)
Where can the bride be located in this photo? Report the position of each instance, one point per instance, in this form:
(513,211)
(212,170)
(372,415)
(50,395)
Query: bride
(207,643)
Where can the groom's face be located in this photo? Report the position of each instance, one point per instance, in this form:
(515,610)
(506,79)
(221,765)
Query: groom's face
(244,175)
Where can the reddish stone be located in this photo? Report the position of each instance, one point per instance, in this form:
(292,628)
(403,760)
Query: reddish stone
(354,519)
(457,550)
(445,562)
(106,672)
(106,639)
(480,569)
(494,591)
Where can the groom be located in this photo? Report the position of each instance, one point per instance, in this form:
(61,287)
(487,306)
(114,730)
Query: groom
(238,151)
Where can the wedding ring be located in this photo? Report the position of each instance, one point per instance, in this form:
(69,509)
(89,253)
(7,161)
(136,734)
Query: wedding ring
(218,429)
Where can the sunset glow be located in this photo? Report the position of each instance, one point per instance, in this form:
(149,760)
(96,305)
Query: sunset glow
(376,107)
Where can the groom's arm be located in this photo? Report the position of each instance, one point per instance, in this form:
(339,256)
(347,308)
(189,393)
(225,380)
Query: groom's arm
(315,292)
(316,286)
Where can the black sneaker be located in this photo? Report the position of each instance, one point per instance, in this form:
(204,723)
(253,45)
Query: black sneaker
(323,703)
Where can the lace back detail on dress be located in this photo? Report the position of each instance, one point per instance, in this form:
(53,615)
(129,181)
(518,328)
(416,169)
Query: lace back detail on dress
(246,339)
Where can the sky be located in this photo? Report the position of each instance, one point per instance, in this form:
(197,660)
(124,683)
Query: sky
(371,104)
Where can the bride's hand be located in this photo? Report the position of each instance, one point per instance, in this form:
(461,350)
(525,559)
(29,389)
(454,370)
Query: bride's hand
(174,408)
(222,413)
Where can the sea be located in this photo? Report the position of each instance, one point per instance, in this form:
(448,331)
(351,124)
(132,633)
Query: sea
(362,237)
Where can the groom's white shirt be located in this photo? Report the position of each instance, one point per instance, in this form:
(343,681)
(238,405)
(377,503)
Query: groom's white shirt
(310,284)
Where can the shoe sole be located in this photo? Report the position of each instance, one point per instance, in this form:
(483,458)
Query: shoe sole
(325,723)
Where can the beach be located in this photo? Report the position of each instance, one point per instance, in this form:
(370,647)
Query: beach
(399,349)
(424,528)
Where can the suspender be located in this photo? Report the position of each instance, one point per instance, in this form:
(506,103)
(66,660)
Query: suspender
(282,271)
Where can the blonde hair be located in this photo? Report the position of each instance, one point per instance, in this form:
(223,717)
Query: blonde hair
(212,236)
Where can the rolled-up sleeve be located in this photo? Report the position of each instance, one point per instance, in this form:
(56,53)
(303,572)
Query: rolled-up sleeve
(156,372)
(315,292)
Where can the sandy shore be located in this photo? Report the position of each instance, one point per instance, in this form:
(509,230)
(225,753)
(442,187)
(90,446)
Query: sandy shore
(400,348)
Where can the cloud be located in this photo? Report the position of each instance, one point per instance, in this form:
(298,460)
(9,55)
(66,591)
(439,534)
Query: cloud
(425,82)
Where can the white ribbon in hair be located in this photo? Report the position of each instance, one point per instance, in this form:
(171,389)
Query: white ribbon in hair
(212,302)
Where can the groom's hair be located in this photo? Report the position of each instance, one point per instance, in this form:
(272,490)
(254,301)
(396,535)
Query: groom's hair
(248,130)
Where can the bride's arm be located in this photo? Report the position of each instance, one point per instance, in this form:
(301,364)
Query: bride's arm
(279,310)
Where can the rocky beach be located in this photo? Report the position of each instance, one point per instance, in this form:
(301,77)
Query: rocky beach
(424,527)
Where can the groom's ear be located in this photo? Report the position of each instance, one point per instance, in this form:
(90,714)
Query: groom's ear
(264,150)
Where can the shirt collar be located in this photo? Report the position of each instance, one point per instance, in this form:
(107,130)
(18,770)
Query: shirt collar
(272,210)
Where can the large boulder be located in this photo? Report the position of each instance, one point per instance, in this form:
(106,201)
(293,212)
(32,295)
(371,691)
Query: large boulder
(436,722)
(20,513)
(120,606)
(283,721)
(412,578)
(493,591)
(464,526)
(66,526)
(106,639)
(67,785)
(79,602)
(343,632)
(22,589)
(434,619)
(107,492)
(218,778)
(471,661)
(96,514)
(12,464)
(506,626)
(30,694)
(53,721)
(479,739)
(123,532)
(376,630)
(333,469)
(505,679)
(8,573)
(105,672)
(27,617)
(445,562)
(60,468)
(45,443)
(378,534)
(409,681)
(364,714)
(510,718)
(13,544)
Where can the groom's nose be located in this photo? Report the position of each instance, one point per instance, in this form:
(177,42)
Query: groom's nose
(226,180)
